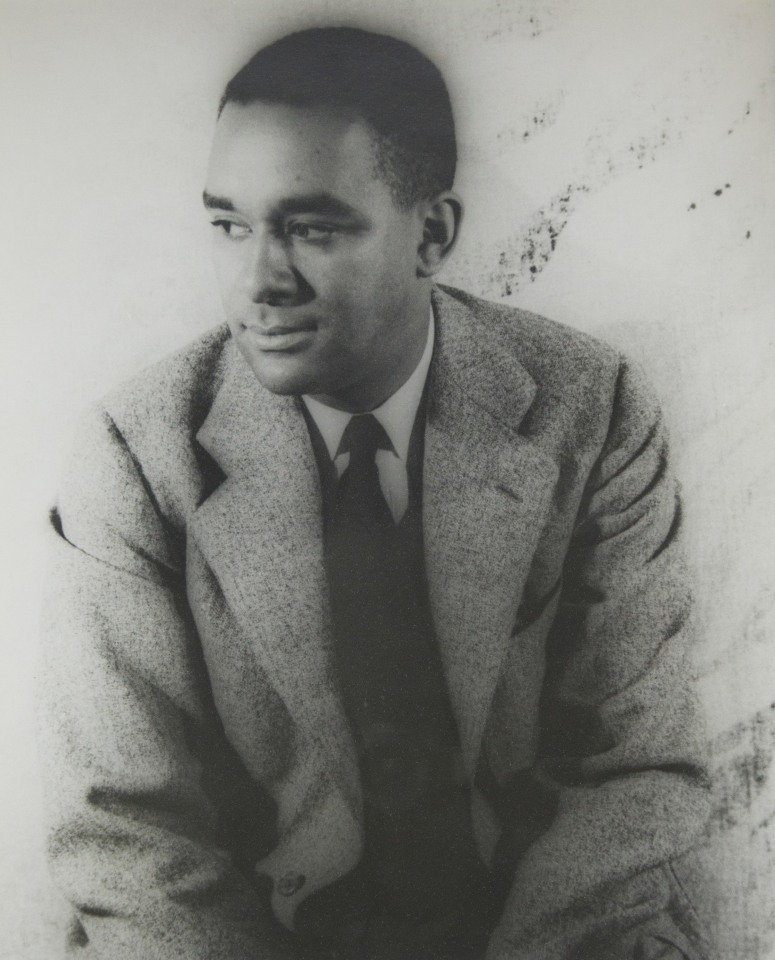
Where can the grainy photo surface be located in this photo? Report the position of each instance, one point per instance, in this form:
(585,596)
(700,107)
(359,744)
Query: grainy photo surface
(388,487)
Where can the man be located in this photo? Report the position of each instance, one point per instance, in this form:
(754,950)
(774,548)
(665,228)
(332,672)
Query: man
(368,632)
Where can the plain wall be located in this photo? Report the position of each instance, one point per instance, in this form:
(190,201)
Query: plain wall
(616,161)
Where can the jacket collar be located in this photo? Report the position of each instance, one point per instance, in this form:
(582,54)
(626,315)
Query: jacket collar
(485,488)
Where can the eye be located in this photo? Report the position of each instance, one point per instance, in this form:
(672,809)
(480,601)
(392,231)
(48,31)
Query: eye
(310,231)
(233,230)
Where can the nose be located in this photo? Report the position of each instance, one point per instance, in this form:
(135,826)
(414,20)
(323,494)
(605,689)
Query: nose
(268,276)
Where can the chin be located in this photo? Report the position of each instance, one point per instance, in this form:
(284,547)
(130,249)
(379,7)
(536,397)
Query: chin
(279,376)
(283,385)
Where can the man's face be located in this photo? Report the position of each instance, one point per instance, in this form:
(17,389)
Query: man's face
(316,264)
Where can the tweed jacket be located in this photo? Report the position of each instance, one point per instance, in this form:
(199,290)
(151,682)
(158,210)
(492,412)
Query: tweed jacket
(202,781)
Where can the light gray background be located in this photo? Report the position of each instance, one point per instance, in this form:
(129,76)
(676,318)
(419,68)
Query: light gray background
(617,162)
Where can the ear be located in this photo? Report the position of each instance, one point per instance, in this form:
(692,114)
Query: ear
(441,218)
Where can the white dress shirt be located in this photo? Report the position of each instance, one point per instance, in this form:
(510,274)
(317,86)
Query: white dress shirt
(396,415)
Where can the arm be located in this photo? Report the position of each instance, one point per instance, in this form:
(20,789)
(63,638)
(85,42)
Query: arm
(134,836)
(621,745)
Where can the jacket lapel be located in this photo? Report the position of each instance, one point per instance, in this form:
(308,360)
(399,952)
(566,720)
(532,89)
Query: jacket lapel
(486,490)
(261,533)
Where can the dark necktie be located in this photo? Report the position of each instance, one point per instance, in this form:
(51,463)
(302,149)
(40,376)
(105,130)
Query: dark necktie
(358,539)
(359,495)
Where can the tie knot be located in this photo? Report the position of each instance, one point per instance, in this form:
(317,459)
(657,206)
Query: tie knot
(362,437)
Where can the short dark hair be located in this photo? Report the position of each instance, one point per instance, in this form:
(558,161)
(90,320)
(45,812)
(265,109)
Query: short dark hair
(384,81)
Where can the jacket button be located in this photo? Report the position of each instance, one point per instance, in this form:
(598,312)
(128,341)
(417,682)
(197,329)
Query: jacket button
(289,883)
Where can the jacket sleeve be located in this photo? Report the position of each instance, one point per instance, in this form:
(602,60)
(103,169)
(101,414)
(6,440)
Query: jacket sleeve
(133,838)
(622,743)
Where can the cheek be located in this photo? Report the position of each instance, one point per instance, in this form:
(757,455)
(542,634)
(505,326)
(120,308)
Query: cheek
(397,271)
(376,274)
(342,284)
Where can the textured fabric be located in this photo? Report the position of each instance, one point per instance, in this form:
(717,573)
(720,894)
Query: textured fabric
(202,779)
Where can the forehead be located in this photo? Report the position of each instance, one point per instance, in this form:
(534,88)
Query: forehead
(264,151)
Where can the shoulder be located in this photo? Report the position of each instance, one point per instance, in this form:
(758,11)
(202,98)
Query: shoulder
(548,350)
(176,392)
(574,378)
(586,397)
(141,437)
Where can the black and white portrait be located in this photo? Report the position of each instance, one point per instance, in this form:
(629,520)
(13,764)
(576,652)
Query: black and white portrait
(388,488)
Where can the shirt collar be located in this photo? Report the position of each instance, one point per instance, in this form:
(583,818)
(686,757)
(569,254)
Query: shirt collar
(396,414)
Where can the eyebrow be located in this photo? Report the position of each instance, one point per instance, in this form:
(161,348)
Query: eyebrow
(320,203)
(212,202)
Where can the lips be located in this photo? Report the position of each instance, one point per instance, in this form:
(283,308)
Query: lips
(277,336)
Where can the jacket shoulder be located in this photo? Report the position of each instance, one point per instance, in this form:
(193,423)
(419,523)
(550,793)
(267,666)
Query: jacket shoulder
(176,392)
(550,351)
(587,394)
(138,444)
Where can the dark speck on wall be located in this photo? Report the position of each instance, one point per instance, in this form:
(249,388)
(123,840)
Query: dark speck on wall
(692,206)
(717,193)
(748,235)
(744,767)
(527,253)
